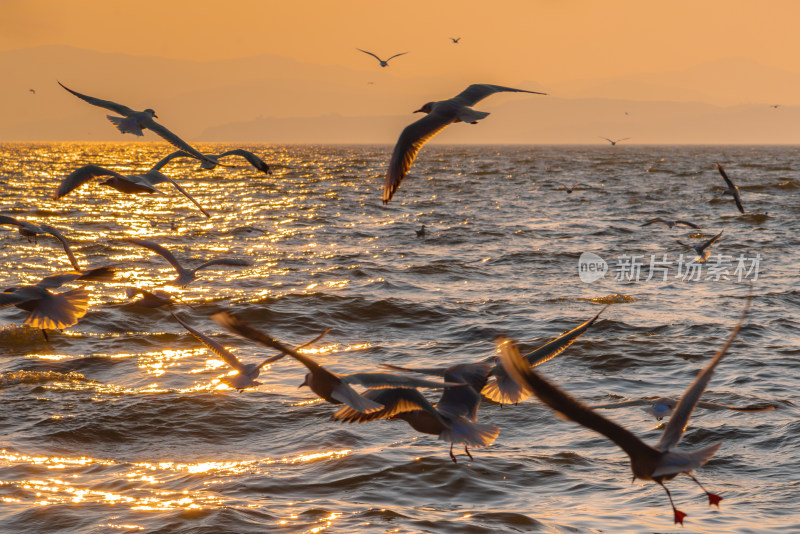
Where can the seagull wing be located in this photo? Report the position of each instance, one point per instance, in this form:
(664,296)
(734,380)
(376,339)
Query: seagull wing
(680,416)
(435,371)
(238,262)
(751,408)
(107,104)
(370,53)
(687,223)
(80,176)
(213,346)
(732,188)
(174,140)
(183,192)
(653,221)
(411,140)
(708,243)
(478,91)
(55,233)
(394,401)
(622,404)
(158,249)
(166,159)
(394,56)
(607,139)
(254,160)
(391,380)
(59,310)
(4,219)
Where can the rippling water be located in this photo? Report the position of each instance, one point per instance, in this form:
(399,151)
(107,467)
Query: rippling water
(121,423)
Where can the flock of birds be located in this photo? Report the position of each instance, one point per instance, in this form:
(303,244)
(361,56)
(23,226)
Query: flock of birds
(505,377)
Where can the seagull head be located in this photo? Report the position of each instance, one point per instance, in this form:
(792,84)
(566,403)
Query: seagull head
(427,108)
(305,381)
(151,112)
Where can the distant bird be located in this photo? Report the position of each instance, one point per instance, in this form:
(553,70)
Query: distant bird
(130,184)
(773,106)
(185,276)
(439,115)
(455,39)
(453,419)
(54,310)
(570,189)
(212,160)
(248,372)
(664,406)
(32,91)
(330,386)
(134,121)
(732,190)
(702,253)
(658,463)
(670,224)
(384,63)
(154,299)
(614,141)
(421,231)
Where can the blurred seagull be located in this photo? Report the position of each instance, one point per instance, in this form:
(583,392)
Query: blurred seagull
(328,385)
(702,253)
(33,91)
(455,39)
(421,231)
(154,299)
(453,418)
(664,406)
(130,184)
(657,463)
(732,188)
(185,276)
(33,230)
(384,63)
(569,189)
(669,223)
(212,160)
(439,115)
(248,372)
(134,121)
(54,310)
(614,141)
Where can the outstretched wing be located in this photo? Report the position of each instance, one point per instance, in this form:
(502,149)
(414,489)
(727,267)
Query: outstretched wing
(370,53)
(80,176)
(213,346)
(55,233)
(254,160)
(184,193)
(394,56)
(107,104)
(478,91)
(394,401)
(158,249)
(166,159)
(237,262)
(174,140)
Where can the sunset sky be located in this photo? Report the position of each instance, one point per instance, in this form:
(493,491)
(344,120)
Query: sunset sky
(544,42)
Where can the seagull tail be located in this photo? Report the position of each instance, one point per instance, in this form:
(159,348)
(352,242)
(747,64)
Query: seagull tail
(470,434)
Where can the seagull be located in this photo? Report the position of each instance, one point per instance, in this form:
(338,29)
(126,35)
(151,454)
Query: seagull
(330,386)
(33,91)
(614,141)
(134,121)
(131,184)
(670,223)
(453,418)
(248,372)
(569,190)
(664,406)
(732,188)
(503,389)
(185,276)
(421,231)
(773,106)
(212,160)
(154,299)
(702,253)
(455,39)
(33,230)
(54,310)
(657,463)
(384,63)
(439,115)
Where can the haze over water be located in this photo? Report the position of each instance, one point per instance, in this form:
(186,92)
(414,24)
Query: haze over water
(120,423)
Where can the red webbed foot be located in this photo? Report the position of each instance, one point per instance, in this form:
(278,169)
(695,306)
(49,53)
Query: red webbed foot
(714,499)
(679,517)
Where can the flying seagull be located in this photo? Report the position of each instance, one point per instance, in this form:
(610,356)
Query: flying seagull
(154,299)
(33,91)
(661,407)
(134,121)
(455,39)
(212,160)
(613,141)
(130,184)
(185,276)
(439,115)
(670,224)
(702,253)
(248,372)
(330,386)
(384,63)
(658,463)
(732,188)
(569,189)
(453,418)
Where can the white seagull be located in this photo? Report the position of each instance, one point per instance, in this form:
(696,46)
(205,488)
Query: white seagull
(658,463)
(212,160)
(185,276)
(130,184)
(134,121)
(439,115)
(383,62)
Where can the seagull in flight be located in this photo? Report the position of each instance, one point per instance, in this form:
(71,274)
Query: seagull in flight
(455,39)
(733,189)
(130,184)
(439,115)
(33,91)
(330,386)
(248,372)
(185,276)
(134,121)
(702,253)
(569,189)
(212,160)
(661,407)
(670,224)
(659,462)
(383,62)
(613,141)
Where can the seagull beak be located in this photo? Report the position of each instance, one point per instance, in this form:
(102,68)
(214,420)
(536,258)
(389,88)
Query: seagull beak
(419,111)
(305,382)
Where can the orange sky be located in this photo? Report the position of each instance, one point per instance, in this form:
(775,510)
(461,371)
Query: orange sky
(542,40)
